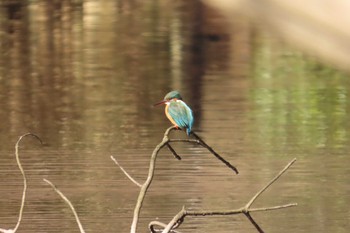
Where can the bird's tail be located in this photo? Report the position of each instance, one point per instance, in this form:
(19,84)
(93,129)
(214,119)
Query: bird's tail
(188,131)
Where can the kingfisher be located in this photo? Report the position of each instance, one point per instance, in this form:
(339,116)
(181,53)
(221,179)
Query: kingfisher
(177,111)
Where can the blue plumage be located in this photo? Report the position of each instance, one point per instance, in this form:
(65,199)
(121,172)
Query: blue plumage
(181,114)
(178,111)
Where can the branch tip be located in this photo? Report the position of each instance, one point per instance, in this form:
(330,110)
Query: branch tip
(67,201)
(125,172)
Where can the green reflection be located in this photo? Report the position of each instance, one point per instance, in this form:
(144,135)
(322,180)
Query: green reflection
(297,101)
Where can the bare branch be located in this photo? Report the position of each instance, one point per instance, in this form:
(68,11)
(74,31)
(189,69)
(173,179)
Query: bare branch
(186,140)
(7,231)
(125,172)
(24,182)
(24,176)
(179,217)
(273,207)
(173,151)
(149,179)
(214,153)
(211,150)
(147,183)
(255,224)
(270,183)
(69,204)
(153,224)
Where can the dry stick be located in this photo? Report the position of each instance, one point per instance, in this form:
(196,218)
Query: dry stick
(125,172)
(24,182)
(68,202)
(245,210)
(247,206)
(214,153)
(149,179)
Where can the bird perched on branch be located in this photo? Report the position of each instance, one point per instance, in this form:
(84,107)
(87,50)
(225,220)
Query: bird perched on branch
(177,111)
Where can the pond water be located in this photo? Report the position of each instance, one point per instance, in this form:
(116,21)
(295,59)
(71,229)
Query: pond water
(83,76)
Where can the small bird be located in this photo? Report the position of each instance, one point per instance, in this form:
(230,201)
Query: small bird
(178,111)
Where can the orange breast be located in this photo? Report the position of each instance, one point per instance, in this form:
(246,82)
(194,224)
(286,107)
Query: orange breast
(168,116)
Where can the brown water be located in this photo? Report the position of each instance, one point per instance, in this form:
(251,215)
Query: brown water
(83,76)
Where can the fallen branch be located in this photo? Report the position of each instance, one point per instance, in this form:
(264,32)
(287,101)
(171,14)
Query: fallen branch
(24,182)
(246,210)
(69,204)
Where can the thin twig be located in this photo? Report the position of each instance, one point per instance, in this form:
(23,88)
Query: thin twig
(203,144)
(214,153)
(236,211)
(273,207)
(255,224)
(69,204)
(173,151)
(183,213)
(24,181)
(125,172)
(270,183)
(186,140)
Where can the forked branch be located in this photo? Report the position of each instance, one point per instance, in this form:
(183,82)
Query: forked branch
(165,142)
(246,210)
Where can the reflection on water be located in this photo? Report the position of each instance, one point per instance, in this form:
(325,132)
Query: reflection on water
(83,76)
